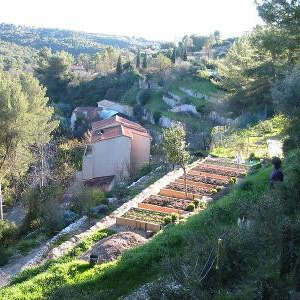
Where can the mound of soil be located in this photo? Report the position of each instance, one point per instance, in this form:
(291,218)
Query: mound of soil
(111,247)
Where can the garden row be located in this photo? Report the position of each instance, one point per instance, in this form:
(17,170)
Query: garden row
(183,196)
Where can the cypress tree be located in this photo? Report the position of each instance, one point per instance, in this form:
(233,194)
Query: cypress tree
(145,63)
(185,55)
(173,58)
(119,66)
(138,60)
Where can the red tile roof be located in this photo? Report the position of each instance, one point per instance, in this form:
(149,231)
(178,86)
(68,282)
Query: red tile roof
(115,127)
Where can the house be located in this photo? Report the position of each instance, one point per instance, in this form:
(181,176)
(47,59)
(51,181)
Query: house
(91,114)
(118,148)
(121,108)
(105,110)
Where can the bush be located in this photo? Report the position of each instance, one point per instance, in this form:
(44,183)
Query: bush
(174,217)
(8,233)
(200,107)
(87,198)
(196,202)
(191,207)
(145,97)
(156,116)
(167,220)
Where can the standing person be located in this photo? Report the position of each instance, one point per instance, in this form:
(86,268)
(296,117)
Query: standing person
(276,175)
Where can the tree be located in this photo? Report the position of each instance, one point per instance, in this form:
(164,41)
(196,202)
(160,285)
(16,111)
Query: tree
(187,42)
(185,58)
(174,56)
(175,147)
(281,13)
(217,36)
(25,120)
(119,69)
(162,62)
(145,63)
(138,59)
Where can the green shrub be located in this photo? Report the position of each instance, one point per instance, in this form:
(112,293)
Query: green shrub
(8,233)
(196,202)
(156,116)
(174,217)
(191,207)
(167,220)
(86,198)
(232,180)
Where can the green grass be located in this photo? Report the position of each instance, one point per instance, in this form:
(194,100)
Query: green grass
(129,97)
(68,278)
(203,86)
(252,140)
(156,103)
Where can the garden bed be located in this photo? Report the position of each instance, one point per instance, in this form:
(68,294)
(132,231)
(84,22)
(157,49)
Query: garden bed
(219,170)
(177,194)
(227,163)
(224,179)
(206,180)
(190,189)
(145,215)
(203,186)
(163,209)
(173,203)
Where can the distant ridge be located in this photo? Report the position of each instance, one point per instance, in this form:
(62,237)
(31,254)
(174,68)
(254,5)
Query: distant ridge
(74,42)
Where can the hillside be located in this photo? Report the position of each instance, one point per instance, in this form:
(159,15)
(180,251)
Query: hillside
(73,42)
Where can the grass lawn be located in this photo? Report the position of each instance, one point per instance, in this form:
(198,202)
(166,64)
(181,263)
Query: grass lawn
(156,102)
(69,278)
(203,86)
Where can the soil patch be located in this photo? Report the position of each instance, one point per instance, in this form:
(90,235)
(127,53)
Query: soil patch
(111,247)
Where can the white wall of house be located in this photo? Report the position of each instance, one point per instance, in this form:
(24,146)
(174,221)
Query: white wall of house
(140,152)
(108,157)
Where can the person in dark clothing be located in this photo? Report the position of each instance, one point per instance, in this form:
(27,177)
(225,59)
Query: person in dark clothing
(276,175)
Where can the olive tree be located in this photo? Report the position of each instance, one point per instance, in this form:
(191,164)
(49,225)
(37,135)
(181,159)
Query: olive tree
(175,147)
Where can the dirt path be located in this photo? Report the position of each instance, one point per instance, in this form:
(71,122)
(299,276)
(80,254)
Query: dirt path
(16,266)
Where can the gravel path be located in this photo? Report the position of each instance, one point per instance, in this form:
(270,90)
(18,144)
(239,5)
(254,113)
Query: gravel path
(16,266)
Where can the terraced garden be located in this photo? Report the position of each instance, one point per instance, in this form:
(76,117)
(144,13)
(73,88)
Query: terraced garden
(203,182)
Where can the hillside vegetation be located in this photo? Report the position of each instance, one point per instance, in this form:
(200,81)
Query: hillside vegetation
(65,40)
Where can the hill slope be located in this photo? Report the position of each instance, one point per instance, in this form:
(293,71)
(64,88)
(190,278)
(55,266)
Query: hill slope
(72,41)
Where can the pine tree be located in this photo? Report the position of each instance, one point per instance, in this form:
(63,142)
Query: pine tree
(119,69)
(145,63)
(25,122)
(185,55)
(138,60)
(173,58)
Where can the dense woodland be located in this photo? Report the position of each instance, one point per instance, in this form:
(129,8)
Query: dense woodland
(253,80)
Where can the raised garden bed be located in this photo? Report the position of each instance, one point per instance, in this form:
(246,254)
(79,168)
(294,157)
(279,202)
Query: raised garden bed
(242,171)
(190,189)
(174,203)
(137,224)
(227,163)
(203,186)
(177,194)
(206,180)
(163,209)
(145,215)
(218,170)
(224,179)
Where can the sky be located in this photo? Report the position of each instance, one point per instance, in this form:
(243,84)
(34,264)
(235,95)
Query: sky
(152,19)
